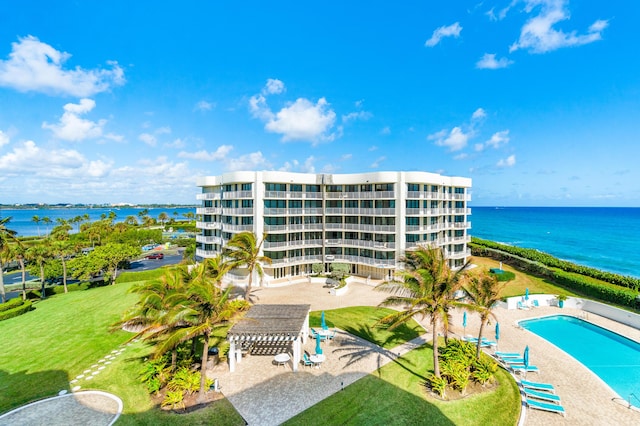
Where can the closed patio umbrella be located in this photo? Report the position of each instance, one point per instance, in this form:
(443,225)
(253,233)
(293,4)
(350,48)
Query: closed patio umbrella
(464,322)
(318,348)
(323,324)
(526,294)
(497,331)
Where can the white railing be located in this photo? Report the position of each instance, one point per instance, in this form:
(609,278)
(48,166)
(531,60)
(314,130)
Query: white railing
(206,253)
(208,210)
(208,196)
(208,225)
(237,228)
(232,195)
(208,239)
(239,211)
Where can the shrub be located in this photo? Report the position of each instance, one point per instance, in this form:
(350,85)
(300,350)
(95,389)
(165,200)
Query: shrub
(174,399)
(10,304)
(437,384)
(16,311)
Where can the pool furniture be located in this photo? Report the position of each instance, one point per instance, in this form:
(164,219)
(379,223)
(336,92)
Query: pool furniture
(282,359)
(538,386)
(520,368)
(530,393)
(513,361)
(306,361)
(317,359)
(485,342)
(507,354)
(522,306)
(535,303)
(538,405)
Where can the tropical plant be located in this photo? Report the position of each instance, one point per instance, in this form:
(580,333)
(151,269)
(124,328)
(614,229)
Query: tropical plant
(62,249)
(244,251)
(39,254)
(36,219)
(163,217)
(484,291)
(7,236)
(425,288)
(47,221)
(174,399)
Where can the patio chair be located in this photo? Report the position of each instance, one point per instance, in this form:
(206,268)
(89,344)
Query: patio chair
(522,306)
(306,361)
(538,386)
(530,393)
(332,335)
(503,355)
(536,304)
(520,368)
(538,405)
(314,333)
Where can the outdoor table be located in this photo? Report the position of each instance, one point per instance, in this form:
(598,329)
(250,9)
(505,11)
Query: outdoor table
(282,359)
(317,359)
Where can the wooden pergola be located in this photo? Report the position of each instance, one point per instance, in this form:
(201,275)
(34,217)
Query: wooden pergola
(270,325)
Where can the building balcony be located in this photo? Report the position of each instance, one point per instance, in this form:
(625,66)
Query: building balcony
(234,195)
(206,253)
(236,228)
(462,225)
(297,260)
(208,239)
(247,211)
(208,225)
(208,210)
(208,196)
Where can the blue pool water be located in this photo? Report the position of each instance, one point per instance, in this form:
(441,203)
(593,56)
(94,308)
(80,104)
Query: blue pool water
(612,357)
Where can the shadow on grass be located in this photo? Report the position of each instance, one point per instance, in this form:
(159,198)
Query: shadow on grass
(17,389)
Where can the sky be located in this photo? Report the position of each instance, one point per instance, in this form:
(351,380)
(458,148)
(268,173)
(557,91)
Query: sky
(537,101)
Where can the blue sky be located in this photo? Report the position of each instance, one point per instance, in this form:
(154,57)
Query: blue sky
(538,101)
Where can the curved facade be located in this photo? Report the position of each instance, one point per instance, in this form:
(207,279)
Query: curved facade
(365,220)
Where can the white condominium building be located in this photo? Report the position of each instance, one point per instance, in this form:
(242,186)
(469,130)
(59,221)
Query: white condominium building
(365,220)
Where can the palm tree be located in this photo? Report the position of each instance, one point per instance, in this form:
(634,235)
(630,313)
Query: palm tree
(131,220)
(47,221)
(19,252)
(62,249)
(36,219)
(6,236)
(243,250)
(425,288)
(39,253)
(205,308)
(163,217)
(484,292)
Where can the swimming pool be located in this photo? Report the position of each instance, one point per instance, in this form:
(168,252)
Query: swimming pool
(612,357)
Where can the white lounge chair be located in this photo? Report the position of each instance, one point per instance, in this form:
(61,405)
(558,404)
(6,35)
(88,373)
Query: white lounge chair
(520,368)
(538,405)
(530,393)
(538,386)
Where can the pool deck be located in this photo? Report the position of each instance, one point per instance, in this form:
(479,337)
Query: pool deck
(267,394)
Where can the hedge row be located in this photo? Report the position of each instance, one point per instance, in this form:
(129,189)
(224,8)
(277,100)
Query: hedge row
(24,306)
(10,304)
(553,262)
(583,285)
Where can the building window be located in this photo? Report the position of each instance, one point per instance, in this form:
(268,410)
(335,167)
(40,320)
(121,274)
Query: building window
(274,221)
(413,238)
(247,220)
(247,204)
(413,187)
(313,188)
(334,188)
(366,204)
(274,204)
(385,204)
(246,187)
(365,188)
(351,188)
(385,221)
(413,221)
(295,187)
(351,219)
(413,204)
(334,219)
(295,204)
(459,190)
(312,204)
(351,204)
(380,187)
(334,204)
(275,187)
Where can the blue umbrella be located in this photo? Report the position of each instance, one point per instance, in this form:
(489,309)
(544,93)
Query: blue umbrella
(323,324)
(318,348)
(464,321)
(526,358)
(526,294)
(497,331)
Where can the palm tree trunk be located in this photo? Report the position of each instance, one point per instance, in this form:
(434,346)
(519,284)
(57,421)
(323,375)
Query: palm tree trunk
(174,359)
(42,295)
(2,293)
(436,361)
(64,273)
(248,290)
(24,279)
(482,322)
(203,369)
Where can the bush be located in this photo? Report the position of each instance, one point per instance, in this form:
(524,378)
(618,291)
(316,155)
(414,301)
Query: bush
(10,304)
(17,311)
(459,366)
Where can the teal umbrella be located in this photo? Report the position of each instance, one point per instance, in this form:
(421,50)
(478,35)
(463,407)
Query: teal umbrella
(318,348)
(323,324)
(464,322)
(526,358)
(497,331)
(526,294)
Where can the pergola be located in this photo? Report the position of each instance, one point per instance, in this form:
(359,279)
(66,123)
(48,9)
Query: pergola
(270,325)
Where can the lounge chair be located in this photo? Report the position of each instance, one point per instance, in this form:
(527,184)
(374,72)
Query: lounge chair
(529,369)
(538,386)
(522,306)
(514,361)
(504,355)
(535,303)
(555,408)
(530,393)
(332,335)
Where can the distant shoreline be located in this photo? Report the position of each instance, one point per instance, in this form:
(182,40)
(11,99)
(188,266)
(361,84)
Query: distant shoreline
(92,206)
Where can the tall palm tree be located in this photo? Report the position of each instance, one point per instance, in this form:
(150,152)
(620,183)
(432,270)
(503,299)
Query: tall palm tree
(163,217)
(244,251)
(62,248)
(47,221)
(19,253)
(7,236)
(36,219)
(484,292)
(425,288)
(40,254)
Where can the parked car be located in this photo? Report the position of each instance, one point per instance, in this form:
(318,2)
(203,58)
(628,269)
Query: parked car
(155,256)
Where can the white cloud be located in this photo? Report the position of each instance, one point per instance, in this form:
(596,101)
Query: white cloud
(510,161)
(359,115)
(273,87)
(346,157)
(478,114)
(489,61)
(73,128)
(385,130)
(177,143)
(377,162)
(259,108)
(461,156)
(455,140)
(304,120)
(496,141)
(252,161)
(38,67)
(538,34)
(372,148)
(218,155)
(148,138)
(452,30)
(114,137)
(308,166)
(163,130)
(28,158)
(203,106)
(4,138)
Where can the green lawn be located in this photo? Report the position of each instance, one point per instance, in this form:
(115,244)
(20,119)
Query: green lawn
(396,395)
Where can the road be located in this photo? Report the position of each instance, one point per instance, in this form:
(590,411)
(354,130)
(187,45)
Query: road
(137,265)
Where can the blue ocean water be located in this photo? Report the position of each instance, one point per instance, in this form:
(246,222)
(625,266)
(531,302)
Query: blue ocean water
(21,219)
(605,238)
(614,358)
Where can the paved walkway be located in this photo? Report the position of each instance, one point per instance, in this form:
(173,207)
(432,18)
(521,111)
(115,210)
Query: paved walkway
(265,394)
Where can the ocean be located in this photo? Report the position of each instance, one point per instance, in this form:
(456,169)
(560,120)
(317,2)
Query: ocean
(605,238)
(21,219)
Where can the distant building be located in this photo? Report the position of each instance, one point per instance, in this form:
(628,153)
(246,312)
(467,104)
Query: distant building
(364,220)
